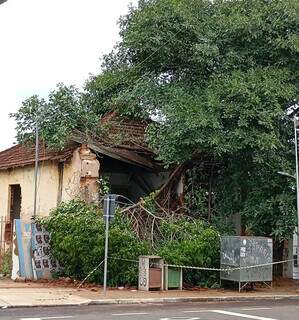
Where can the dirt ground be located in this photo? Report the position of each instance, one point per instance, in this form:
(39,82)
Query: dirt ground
(279,286)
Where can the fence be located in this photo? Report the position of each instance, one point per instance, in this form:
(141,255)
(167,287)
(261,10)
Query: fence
(6,234)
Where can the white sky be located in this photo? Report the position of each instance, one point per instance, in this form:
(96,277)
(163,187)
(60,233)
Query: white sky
(43,42)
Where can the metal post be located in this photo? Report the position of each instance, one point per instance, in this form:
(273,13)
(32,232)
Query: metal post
(106,245)
(1,236)
(36,167)
(297,179)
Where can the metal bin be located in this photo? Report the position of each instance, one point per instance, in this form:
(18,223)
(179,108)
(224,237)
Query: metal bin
(173,278)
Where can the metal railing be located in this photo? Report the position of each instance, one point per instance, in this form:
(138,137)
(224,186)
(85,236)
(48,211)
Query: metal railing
(6,236)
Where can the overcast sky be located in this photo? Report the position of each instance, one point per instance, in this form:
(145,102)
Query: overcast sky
(44,42)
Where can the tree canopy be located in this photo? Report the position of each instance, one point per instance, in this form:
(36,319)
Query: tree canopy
(217,76)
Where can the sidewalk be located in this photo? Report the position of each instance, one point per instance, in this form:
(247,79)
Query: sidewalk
(46,294)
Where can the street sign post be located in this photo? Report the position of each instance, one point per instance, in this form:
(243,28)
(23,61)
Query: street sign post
(109,208)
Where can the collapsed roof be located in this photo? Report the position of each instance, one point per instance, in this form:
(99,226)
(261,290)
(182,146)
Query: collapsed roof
(120,138)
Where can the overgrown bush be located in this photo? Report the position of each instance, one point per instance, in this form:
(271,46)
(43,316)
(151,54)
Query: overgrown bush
(191,243)
(77,242)
(78,235)
(6,263)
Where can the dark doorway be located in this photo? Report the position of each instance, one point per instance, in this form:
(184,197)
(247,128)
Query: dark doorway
(15,201)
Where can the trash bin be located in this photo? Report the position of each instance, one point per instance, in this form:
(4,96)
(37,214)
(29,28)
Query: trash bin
(173,278)
(151,273)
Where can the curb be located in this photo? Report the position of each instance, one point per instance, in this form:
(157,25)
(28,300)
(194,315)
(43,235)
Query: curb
(195,299)
(162,301)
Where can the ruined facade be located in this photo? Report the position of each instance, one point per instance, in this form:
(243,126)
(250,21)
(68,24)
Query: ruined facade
(76,172)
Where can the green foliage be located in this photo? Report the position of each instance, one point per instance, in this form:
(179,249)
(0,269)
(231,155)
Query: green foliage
(104,182)
(77,242)
(149,202)
(196,191)
(6,263)
(191,243)
(218,77)
(114,91)
(57,118)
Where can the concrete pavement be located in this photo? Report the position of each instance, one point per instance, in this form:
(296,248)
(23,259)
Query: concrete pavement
(40,296)
(184,311)
(33,294)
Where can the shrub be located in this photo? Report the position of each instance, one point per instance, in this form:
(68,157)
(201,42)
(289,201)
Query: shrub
(77,242)
(6,263)
(78,235)
(191,243)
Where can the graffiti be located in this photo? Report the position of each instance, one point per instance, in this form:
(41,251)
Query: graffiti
(42,252)
(246,252)
(32,253)
(143,267)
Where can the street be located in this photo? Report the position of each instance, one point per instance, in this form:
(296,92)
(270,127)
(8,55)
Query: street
(262,310)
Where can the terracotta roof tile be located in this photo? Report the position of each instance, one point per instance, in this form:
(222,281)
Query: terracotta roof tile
(124,133)
(21,155)
(121,136)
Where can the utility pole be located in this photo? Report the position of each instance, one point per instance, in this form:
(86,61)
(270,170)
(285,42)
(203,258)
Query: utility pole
(297,182)
(36,166)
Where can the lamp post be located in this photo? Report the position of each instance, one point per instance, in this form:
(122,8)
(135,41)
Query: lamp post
(292,111)
(297,174)
(297,190)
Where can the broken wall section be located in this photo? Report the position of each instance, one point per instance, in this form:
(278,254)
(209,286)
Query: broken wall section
(132,182)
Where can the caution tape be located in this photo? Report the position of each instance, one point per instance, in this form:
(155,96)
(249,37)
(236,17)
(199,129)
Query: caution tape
(190,267)
(213,269)
(228,269)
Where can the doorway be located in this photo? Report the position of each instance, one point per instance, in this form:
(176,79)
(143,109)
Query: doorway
(15,201)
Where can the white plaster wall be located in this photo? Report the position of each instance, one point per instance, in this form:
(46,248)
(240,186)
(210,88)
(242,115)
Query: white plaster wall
(24,176)
(48,185)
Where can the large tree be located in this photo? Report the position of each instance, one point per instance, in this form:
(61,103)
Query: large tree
(218,76)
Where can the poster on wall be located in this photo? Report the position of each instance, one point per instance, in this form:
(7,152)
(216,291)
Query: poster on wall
(31,252)
(43,264)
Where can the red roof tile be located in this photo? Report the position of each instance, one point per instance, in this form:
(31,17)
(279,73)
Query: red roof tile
(21,155)
(124,133)
(120,137)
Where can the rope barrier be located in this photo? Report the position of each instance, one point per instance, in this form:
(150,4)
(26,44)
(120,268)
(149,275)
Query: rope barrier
(228,269)
(213,269)
(190,267)
(81,283)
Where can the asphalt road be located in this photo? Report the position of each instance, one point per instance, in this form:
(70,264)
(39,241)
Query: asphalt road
(185,311)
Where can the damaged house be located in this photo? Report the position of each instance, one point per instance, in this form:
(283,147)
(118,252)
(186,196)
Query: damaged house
(119,158)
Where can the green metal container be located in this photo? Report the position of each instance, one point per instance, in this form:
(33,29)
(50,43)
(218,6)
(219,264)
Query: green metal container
(174,278)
